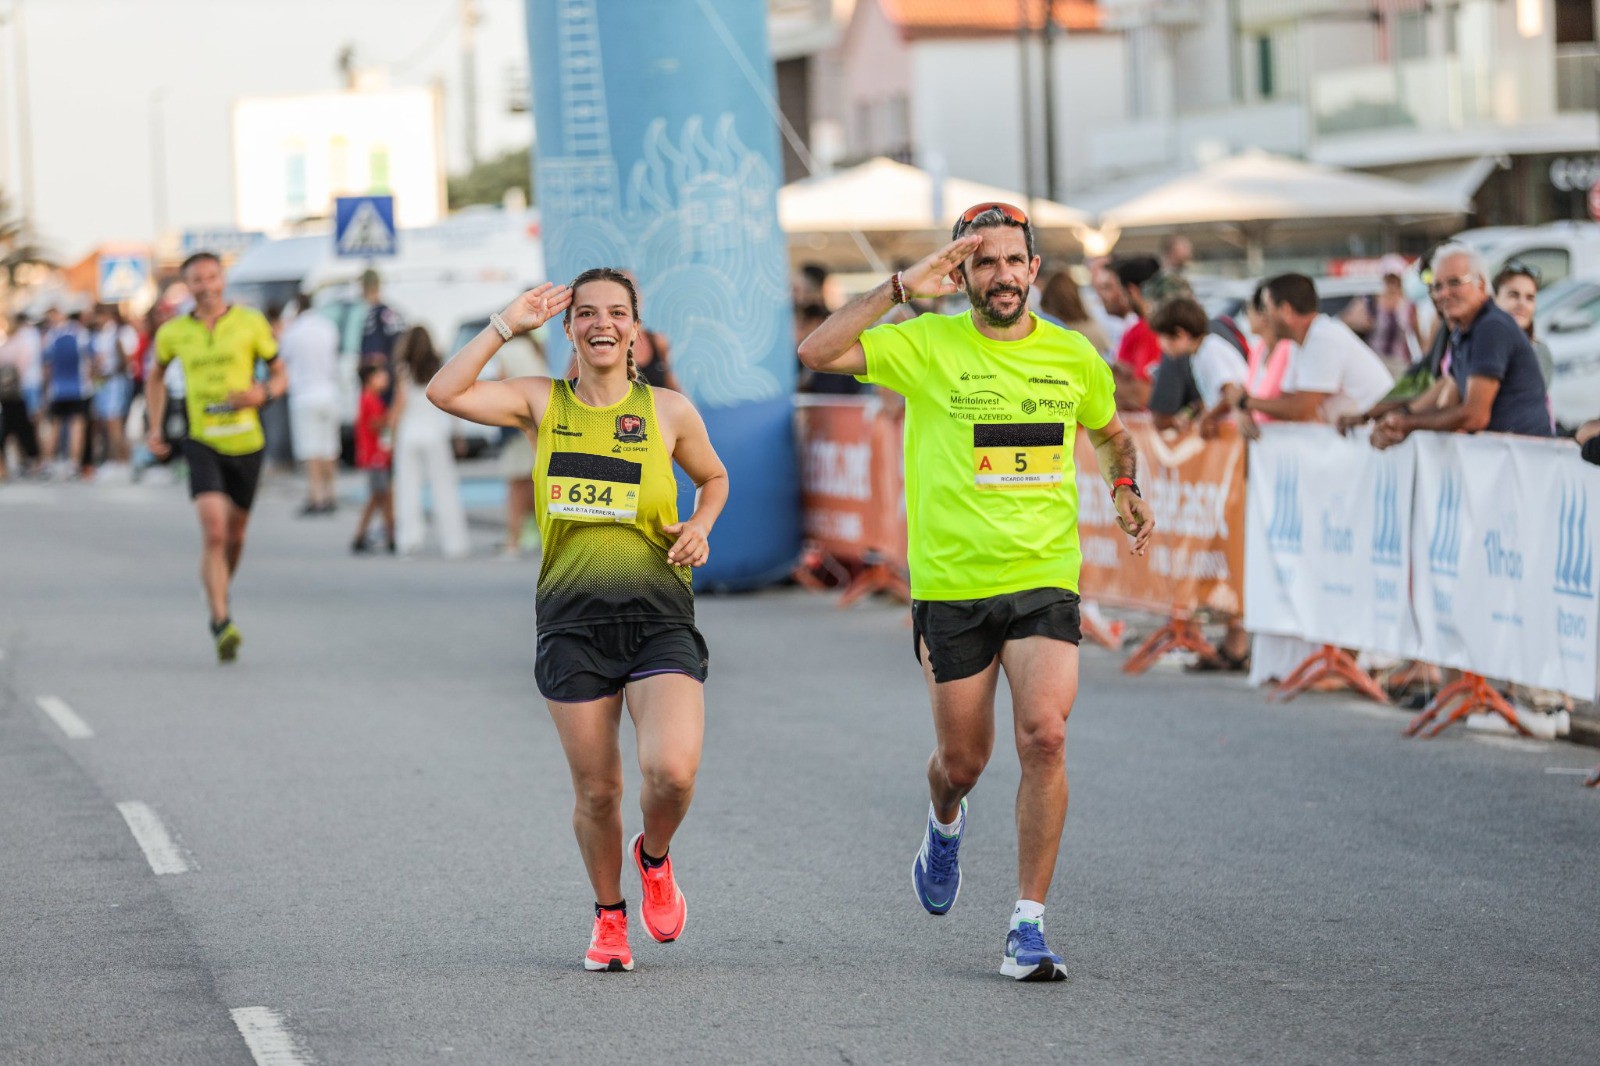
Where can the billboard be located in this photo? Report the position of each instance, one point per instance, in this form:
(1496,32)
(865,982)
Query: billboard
(294,155)
(657,153)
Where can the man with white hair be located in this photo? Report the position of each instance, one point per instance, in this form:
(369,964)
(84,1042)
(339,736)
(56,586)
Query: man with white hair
(1494,381)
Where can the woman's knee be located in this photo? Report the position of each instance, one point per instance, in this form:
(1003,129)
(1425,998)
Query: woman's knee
(671,779)
(596,795)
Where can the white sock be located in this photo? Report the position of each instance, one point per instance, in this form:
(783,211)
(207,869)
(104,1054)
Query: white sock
(945,830)
(1027,911)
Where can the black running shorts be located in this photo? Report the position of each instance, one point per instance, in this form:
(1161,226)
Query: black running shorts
(964,636)
(211,471)
(588,662)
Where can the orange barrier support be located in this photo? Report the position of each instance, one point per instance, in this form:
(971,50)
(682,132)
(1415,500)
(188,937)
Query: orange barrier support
(1108,635)
(1471,695)
(815,562)
(1181,633)
(880,576)
(1328,662)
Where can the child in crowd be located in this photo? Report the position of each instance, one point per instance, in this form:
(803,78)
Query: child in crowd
(373,454)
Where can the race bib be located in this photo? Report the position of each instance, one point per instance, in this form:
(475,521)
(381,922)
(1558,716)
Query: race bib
(592,488)
(1018,455)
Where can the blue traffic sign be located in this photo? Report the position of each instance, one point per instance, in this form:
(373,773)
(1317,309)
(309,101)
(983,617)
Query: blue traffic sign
(363,227)
(122,277)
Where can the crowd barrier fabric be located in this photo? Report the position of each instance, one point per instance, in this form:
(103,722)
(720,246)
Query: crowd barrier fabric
(1503,558)
(1327,541)
(1470,551)
(1196,559)
(852,487)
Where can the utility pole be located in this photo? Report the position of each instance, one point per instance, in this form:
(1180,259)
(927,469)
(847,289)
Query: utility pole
(1052,29)
(24,121)
(158,161)
(1024,41)
(470,16)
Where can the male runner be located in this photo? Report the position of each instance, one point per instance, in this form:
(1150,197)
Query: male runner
(994,399)
(218,345)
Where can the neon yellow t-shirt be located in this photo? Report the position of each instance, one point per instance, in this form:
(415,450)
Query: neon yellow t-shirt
(991,495)
(217,362)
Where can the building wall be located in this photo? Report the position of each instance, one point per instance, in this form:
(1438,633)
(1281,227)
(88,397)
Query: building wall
(877,72)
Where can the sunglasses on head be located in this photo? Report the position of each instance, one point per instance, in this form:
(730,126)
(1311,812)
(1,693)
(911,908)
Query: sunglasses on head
(1012,212)
(1528,270)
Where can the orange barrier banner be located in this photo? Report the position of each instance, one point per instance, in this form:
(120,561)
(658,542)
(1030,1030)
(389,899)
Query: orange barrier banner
(1196,557)
(836,474)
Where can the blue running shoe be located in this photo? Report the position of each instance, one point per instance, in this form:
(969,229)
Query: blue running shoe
(936,873)
(1028,958)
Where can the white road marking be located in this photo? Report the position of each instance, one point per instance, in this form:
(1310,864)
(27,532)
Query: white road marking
(65,717)
(1575,771)
(158,846)
(268,1037)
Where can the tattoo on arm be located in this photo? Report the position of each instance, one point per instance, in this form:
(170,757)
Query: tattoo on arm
(1124,457)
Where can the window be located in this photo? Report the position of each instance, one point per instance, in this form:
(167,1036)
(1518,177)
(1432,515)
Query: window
(1264,72)
(1574,21)
(1411,35)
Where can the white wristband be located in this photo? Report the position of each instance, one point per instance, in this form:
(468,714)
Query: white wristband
(500,326)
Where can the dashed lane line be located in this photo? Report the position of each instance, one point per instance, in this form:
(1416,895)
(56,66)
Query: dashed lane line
(65,718)
(267,1035)
(159,848)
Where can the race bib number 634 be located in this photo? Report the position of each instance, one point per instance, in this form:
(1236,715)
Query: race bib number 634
(592,488)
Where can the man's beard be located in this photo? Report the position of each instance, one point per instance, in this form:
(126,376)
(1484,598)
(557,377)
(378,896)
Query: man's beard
(993,317)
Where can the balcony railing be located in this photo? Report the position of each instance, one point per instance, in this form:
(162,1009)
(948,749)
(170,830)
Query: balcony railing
(1432,93)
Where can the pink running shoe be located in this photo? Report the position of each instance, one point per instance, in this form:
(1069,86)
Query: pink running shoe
(664,909)
(608,946)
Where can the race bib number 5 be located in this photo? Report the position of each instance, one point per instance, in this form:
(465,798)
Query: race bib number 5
(1018,455)
(592,488)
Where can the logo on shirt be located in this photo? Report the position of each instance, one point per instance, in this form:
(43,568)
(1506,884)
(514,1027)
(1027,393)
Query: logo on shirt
(965,376)
(1048,381)
(1049,406)
(561,430)
(630,429)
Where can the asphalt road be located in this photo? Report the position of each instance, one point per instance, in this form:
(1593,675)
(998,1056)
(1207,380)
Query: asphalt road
(371,817)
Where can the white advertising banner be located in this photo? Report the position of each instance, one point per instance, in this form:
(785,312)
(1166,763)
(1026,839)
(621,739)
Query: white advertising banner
(1328,519)
(1503,556)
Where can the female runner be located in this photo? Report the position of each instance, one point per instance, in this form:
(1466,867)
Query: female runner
(615,600)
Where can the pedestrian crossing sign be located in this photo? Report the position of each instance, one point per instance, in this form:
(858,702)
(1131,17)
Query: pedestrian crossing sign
(363,227)
(122,277)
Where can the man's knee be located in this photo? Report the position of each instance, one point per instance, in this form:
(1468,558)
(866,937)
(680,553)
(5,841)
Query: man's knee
(962,766)
(1044,741)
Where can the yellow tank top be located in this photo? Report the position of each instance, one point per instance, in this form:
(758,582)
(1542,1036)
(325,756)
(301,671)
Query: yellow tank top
(605,492)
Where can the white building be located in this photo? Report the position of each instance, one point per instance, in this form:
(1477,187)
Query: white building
(1495,97)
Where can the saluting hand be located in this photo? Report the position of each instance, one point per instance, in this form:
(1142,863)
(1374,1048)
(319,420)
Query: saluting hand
(690,548)
(536,307)
(1135,518)
(932,276)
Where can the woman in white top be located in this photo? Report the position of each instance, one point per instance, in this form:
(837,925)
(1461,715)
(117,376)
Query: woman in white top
(423,452)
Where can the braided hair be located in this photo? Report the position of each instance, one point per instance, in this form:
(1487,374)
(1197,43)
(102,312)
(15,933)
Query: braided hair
(608,274)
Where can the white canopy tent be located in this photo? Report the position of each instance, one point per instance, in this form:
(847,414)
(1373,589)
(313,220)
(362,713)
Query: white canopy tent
(882,198)
(1255,192)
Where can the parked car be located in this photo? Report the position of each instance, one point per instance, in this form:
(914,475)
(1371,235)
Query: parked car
(1568,320)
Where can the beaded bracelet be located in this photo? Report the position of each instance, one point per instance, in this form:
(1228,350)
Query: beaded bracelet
(898,288)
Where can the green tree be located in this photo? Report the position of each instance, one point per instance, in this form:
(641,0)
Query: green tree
(487,182)
(17,245)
